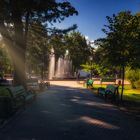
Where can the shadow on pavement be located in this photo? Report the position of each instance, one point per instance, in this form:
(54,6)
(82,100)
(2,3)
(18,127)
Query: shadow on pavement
(65,113)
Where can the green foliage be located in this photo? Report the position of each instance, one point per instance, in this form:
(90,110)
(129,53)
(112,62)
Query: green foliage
(121,46)
(37,54)
(122,43)
(58,44)
(58,40)
(95,69)
(5,63)
(37,45)
(20,14)
(134,77)
(79,50)
(137,84)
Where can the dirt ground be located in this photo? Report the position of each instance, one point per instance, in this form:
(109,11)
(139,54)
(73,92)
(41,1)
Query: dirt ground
(77,84)
(74,84)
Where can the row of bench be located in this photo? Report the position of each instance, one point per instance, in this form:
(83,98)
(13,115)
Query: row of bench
(89,82)
(35,83)
(32,82)
(14,98)
(110,92)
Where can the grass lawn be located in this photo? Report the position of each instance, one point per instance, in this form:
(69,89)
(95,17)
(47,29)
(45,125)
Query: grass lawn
(129,94)
(132,94)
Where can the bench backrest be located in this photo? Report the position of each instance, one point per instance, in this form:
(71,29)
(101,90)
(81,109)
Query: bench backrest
(32,82)
(111,88)
(90,81)
(17,91)
(108,80)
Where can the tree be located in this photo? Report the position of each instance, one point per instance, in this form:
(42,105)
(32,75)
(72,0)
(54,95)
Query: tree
(37,48)
(5,64)
(40,41)
(95,69)
(79,50)
(121,46)
(59,46)
(15,17)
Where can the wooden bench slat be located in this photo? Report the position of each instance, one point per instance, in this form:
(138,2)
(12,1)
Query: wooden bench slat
(18,97)
(111,91)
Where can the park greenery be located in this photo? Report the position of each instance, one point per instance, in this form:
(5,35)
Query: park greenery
(121,45)
(15,19)
(37,53)
(130,95)
(117,54)
(78,48)
(27,38)
(133,75)
(5,64)
(97,70)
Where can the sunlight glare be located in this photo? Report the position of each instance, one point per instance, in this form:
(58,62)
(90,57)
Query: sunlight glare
(98,123)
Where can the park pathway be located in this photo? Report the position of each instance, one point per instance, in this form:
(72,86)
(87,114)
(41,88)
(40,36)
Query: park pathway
(70,113)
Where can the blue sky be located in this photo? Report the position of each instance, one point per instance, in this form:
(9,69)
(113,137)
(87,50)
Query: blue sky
(92,14)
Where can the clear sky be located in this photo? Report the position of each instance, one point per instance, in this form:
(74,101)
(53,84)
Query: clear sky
(92,14)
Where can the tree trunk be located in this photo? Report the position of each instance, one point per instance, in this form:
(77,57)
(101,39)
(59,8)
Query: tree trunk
(16,43)
(19,67)
(19,47)
(123,76)
(19,56)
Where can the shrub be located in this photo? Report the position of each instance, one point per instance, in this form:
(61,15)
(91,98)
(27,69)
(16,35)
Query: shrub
(137,84)
(134,77)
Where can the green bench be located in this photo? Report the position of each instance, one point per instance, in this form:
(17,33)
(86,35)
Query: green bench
(89,83)
(13,98)
(9,103)
(32,82)
(110,92)
(20,91)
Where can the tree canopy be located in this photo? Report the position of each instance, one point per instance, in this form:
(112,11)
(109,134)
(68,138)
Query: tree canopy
(79,50)
(121,46)
(15,18)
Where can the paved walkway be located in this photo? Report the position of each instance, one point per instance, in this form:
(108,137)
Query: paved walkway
(70,113)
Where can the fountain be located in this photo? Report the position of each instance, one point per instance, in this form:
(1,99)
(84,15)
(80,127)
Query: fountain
(52,65)
(63,67)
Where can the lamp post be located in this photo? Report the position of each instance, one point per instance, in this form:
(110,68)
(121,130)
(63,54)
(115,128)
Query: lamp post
(91,58)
